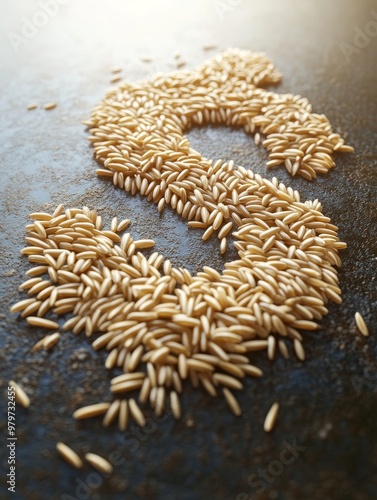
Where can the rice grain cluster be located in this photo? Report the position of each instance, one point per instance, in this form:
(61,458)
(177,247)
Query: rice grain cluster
(159,324)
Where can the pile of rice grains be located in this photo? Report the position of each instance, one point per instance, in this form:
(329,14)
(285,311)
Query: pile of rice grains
(160,324)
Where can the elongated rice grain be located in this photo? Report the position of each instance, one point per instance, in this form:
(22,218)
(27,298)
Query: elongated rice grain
(361,325)
(91,411)
(270,420)
(99,463)
(232,402)
(136,413)
(42,322)
(69,455)
(21,397)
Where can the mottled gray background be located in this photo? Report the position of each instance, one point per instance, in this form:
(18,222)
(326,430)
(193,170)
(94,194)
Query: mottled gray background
(328,404)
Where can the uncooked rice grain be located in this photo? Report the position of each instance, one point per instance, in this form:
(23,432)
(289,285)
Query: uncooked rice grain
(299,349)
(42,322)
(99,463)
(232,402)
(21,397)
(123,415)
(51,340)
(136,413)
(270,420)
(115,78)
(69,455)
(50,105)
(361,325)
(175,405)
(91,411)
(112,413)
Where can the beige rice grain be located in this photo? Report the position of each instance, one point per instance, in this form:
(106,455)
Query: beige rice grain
(112,413)
(51,340)
(270,420)
(21,397)
(99,463)
(232,402)
(69,455)
(42,322)
(91,411)
(136,413)
(361,325)
(123,415)
(175,405)
(50,105)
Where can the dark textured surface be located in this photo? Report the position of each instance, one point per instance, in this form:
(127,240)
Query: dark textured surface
(328,404)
